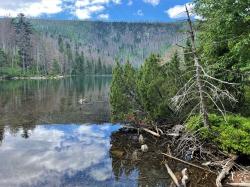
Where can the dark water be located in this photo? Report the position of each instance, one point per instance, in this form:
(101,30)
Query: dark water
(49,138)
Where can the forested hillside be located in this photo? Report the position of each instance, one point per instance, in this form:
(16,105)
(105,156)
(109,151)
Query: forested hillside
(49,47)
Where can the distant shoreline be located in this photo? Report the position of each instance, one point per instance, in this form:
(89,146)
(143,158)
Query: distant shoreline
(56,77)
(34,77)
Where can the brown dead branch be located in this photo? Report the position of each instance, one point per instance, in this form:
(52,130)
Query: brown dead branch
(225,171)
(144,129)
(239,184)
(188,163)
(172,175)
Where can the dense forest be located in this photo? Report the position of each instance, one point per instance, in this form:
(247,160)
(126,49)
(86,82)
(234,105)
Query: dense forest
(205,88)
(48,47)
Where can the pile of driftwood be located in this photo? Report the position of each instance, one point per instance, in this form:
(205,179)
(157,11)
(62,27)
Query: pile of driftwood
(186,146)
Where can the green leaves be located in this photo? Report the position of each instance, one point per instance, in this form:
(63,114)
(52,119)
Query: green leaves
(147,90)
(231,135)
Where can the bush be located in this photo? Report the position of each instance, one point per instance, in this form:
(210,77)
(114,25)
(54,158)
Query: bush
(9,72)
(146,92)
(232,134)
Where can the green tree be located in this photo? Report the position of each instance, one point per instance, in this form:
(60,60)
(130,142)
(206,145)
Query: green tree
(225,39)
(155,88)
(3,58)
(55,68)
(23,38)
(118,100)
(61,44)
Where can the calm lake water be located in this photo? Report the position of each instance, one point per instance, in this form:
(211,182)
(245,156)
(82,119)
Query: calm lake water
(57,133)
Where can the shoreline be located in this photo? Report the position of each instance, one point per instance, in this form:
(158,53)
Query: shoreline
(206,157)
(57,77)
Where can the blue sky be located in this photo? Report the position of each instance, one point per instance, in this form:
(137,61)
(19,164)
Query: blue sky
(108,10)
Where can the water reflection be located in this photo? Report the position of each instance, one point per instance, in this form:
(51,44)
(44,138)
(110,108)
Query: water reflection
(84,155)
(26,103)
(73,155)
(58,155)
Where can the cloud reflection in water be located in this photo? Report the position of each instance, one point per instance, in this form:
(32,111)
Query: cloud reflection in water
(57,155)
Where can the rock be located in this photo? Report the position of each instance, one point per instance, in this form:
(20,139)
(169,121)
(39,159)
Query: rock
(144,148)
(82,101)
(117,153)
(184,179)
(177,129)
(141,139)
(135,155)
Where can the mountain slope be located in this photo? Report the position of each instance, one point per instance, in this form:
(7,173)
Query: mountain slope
(70,46)
(121,40)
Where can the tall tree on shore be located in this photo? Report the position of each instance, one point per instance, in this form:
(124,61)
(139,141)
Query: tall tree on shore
(225,40)
(202,87)
(23,39)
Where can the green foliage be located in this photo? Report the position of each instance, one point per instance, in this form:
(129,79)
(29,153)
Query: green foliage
(23,31)
(56,70)
(3,58)
(231,133)
(85,67)
(120,104)
(10,72)
(145,93)
(153,88)
(225,40)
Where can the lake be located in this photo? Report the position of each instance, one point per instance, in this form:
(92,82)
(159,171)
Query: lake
(58,133)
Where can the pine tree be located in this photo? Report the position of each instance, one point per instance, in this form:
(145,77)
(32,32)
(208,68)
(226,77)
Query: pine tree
(23,39)
(55,68)
(118,99)
(3,58)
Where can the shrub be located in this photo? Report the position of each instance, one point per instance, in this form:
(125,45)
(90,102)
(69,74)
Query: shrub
(232,134)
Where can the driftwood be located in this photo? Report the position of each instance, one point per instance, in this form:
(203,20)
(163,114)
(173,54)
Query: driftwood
(239,184)
(177,179)
(151,132)
(144,129)
(188,163)
(225,171)
(172,175)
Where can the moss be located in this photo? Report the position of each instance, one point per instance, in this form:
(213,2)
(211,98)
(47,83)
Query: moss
(232,134)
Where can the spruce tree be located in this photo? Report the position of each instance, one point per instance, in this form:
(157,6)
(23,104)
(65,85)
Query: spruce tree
(23,39)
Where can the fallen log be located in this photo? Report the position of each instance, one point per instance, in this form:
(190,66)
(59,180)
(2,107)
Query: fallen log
(144,129)
(225,171)
(188,163)
(172,175)
(151,132)
(239,184)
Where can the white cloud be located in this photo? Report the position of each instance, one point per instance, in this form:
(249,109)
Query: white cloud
(130,2)
(152,2)
(103,16)
(84,9)
(140,13)
(179,11)
(32,8)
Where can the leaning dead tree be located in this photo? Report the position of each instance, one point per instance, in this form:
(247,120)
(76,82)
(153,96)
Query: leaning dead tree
(201,86)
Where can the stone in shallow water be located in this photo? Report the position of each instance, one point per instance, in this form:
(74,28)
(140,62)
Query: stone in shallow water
(144,148)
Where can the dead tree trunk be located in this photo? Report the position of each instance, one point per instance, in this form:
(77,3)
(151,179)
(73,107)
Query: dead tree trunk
(203,105)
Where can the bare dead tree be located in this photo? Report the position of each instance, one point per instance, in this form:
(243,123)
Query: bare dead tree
(201,86)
